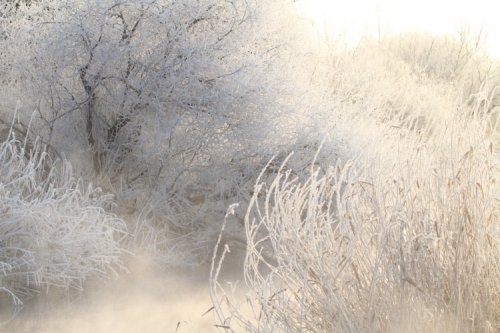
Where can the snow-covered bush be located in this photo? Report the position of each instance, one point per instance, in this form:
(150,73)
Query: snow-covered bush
(54,229)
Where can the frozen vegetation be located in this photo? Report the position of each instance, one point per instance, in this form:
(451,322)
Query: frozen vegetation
(360,185)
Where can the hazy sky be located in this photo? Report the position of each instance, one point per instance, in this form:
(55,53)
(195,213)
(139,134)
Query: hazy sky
(359,17)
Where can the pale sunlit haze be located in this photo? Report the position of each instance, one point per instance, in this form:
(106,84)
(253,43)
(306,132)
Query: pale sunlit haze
(358,18)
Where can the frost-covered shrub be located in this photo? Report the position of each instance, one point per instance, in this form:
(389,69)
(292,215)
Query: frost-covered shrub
(54,229)
(173,106)
(144,85)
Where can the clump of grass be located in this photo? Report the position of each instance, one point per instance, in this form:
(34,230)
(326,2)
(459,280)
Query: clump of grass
(410,244)
(54,230)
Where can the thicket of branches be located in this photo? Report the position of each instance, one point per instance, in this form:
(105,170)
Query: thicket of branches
(165,104)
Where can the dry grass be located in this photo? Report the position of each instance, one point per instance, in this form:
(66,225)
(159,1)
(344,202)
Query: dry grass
(54,229)
(357,248)
(403,237)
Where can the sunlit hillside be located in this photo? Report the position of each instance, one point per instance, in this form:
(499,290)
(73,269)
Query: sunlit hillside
(248,166)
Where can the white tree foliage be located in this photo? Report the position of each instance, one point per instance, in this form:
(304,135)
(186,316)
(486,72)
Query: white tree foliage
(171,104)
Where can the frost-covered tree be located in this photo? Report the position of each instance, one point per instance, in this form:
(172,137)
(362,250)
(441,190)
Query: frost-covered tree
(177,103)
(107,65)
